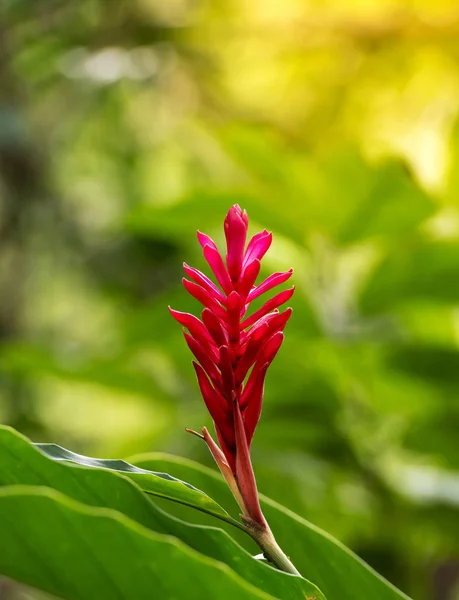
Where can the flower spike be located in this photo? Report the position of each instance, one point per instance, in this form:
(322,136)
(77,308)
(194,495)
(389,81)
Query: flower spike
(233,352)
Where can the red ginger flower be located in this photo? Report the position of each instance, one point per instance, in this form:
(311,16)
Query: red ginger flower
(228,345)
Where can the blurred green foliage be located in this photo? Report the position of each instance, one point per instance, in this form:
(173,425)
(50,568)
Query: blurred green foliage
(125,126)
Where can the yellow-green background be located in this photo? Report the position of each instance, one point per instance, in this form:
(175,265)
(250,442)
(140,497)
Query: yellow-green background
(125,125)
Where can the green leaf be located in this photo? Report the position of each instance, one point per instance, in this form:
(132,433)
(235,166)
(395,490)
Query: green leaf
(78,552)
(387,202)
(338,572)
(417,270)
(154,483)
(318,556)
(22,464)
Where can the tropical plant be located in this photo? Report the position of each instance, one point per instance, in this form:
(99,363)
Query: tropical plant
(83,528)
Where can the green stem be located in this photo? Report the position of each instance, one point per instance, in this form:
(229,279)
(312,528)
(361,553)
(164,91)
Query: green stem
(264,537)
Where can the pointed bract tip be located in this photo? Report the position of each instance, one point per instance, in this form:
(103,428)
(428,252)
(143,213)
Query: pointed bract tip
(234,210)
(235,225)
(193,432)
(236,215)
(176,314)
(205,240)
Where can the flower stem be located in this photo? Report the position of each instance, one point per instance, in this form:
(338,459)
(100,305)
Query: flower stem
(264,537)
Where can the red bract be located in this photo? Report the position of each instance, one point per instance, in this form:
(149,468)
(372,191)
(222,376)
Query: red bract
(234,351)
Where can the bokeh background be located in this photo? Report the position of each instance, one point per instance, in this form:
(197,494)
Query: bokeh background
(125,126)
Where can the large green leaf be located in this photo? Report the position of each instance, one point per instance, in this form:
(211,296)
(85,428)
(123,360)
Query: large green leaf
(22,464)
(79,552)
(154,483)
(338,572)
